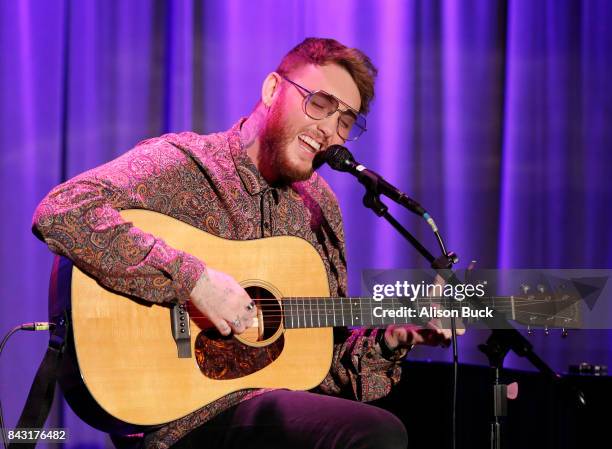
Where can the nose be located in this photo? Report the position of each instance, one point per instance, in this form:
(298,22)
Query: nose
(328,125)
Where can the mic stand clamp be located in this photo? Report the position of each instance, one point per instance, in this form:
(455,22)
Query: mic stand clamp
(445,261)
(372,201)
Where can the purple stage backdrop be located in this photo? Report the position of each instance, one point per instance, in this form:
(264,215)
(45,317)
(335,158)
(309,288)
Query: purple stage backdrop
(494,115)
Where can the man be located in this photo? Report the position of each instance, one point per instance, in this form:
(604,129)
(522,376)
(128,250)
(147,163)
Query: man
(253,181)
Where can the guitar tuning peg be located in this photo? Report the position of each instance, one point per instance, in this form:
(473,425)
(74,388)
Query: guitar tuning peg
(546,330)
(541,288)
(564,333)
(525,288)
(529,330)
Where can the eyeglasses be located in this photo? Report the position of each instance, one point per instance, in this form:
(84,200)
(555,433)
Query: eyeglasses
(319,105)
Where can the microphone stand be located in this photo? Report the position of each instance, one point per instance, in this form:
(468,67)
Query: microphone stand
(503,339)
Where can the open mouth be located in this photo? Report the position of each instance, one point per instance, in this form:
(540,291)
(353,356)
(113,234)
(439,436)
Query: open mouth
(312,145)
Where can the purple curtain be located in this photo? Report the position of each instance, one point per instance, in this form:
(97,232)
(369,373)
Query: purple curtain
(495,115)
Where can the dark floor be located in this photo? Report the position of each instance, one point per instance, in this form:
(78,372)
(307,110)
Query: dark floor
(543,416)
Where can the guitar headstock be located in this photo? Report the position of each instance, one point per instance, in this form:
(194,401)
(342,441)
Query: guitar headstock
(540,307)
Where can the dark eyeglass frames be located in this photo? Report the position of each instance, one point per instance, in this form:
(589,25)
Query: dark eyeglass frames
(319,105)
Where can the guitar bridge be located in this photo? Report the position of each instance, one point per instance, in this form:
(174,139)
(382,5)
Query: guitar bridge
(179,318)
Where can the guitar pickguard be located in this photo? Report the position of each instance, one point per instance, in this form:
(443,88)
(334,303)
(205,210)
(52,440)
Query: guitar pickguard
(223,358)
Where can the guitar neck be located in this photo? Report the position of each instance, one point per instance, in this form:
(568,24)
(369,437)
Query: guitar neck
(357,311)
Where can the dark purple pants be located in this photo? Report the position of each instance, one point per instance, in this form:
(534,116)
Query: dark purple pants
(295,420)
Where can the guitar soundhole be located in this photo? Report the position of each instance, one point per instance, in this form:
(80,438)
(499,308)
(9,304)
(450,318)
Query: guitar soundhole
(268,314)
(229,357)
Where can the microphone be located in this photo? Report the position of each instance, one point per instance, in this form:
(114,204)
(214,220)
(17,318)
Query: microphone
(341,159)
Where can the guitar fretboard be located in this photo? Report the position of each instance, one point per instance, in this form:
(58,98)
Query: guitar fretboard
(335,312)
(365,311)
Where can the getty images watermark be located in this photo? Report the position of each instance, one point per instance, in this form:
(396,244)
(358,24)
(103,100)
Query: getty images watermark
(568,299)
(428,300)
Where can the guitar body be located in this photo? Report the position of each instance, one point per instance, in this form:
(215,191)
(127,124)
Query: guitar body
(126,354)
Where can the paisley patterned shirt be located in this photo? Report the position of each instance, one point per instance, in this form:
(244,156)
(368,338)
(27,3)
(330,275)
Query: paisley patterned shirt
(208,182)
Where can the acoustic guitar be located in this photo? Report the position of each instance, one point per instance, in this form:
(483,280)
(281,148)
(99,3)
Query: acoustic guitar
(130,363)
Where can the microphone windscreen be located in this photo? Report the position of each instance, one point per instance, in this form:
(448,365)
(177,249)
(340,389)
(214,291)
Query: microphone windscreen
(339,158)
(319,159)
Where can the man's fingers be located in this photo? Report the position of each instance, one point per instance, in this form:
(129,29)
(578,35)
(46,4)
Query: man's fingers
(221,325)
(237,325)
(447,333)
(247,321)
(437,324)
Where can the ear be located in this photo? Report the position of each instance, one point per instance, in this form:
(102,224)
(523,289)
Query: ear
(270,88)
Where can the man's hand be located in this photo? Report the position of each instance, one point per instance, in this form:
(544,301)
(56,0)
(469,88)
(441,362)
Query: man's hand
(432,334)
(224,302)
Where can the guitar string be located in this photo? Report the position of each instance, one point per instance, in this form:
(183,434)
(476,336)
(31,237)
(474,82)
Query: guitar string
(362,312)
(302,308)
(526,307)
(440,301)
(520,304)
(361,315)
(422,303)
(318,307)
(386,321)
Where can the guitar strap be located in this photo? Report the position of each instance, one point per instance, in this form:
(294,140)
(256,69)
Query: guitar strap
(40,398)
(38,404)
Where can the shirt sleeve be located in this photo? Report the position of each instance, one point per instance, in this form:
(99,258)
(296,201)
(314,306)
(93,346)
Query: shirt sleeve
(80,219)
(358,369)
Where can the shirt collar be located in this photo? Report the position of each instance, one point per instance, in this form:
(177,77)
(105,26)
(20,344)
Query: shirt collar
(251,178)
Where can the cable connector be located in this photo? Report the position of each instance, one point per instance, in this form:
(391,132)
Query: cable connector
(430,221)
(37,326)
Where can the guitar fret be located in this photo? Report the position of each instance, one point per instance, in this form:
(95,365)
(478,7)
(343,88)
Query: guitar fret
(360,317)
(312,323)
(325,306)
(351,308)
(334,310)
(297,310)
(318,315)
(286,308)
(372,312)
(295,316)
(310,309)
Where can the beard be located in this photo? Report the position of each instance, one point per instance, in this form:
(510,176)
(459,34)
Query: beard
(275,160)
